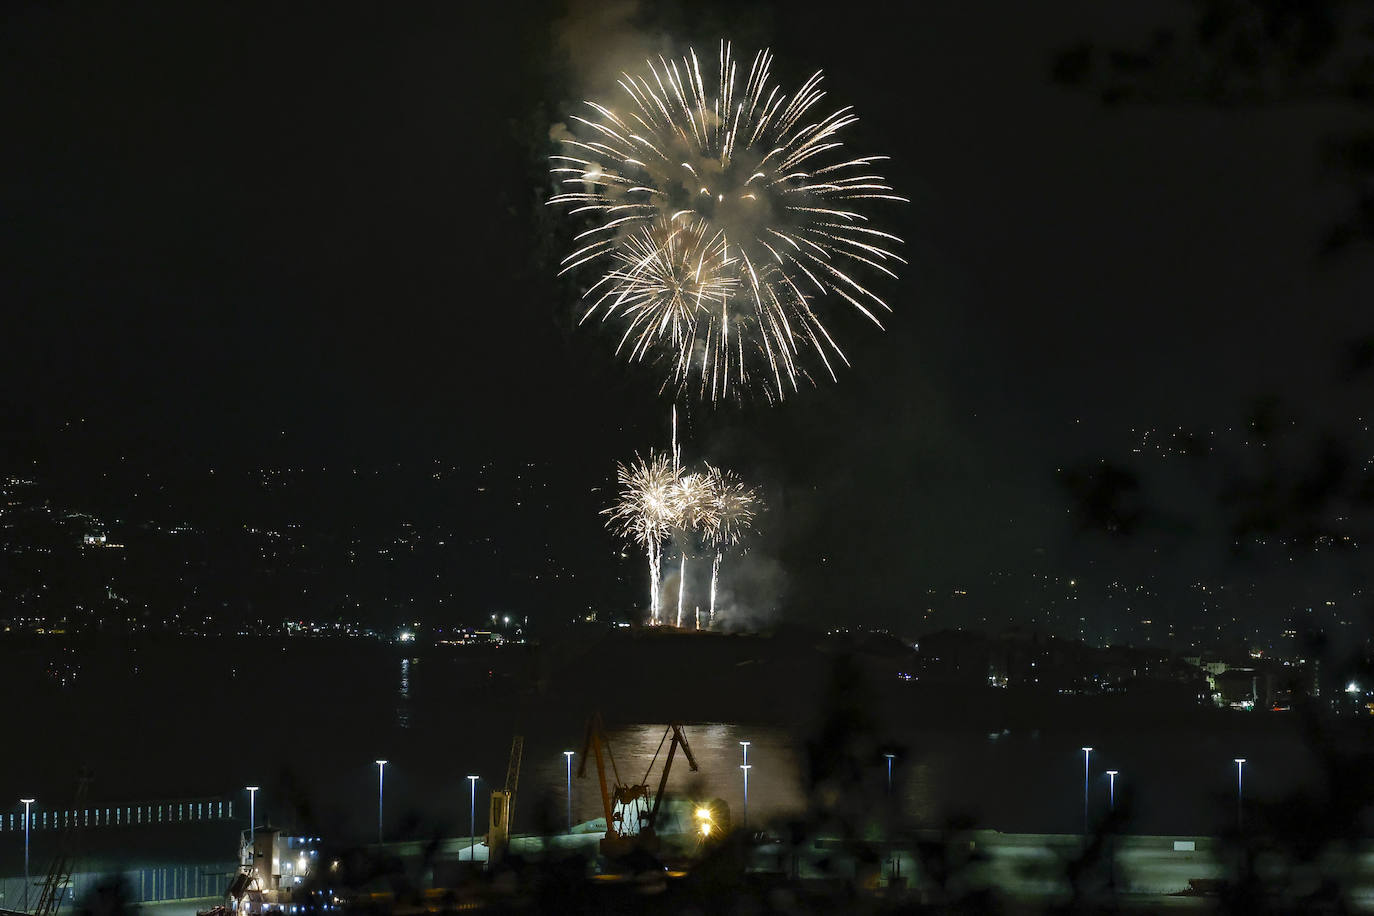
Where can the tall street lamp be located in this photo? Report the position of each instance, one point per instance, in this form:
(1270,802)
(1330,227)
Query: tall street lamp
(1240,779)
(1111,790)
(568,755)
(381,769)
(745,768)
(252,811)
(26,802)
(889,772)
(1087,752)
(472,826)
(744,746)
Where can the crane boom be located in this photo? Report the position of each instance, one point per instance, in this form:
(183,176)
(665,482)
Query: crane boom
(620,841)
(60,871)
(517,752)
(679,739)
(503,805)
(595,744)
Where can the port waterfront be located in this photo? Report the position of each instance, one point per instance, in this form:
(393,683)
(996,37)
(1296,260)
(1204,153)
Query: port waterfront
(1148,871)
(324,711)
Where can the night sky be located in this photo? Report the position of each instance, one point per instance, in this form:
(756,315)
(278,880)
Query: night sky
(255,234)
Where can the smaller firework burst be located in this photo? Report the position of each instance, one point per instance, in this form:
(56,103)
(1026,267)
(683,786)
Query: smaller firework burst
(730,509)
(729,514)
(646,511)
(693,501)
(659,502)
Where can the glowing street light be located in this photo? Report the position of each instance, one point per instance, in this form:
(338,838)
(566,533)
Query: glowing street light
(1087,752)
(381,769)
(1240,778)
(252,811)
(744,746)
(472,826)
(26,802)
(745,768)
(1111,789)
(569,756)
(889,772)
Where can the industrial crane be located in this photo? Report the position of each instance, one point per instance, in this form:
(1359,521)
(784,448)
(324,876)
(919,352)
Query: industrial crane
(60,870)
(503,805)
(622,838)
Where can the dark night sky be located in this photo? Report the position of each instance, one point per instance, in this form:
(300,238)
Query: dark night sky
(257,233)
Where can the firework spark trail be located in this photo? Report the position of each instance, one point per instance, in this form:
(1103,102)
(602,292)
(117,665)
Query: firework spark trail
(681,587)
(677,452)
(723,218)
(715,577)
(691,503)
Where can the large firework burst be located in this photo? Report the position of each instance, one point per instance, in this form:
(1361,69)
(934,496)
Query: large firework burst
(724,215)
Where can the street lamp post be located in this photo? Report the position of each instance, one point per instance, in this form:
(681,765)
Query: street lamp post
(744,746)
(1111,790)
(569,756)
(1087,752)
(472,826)
(889,772)
(252,811)
(1240,778)
(745,768)
(26,802)
(381,769)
